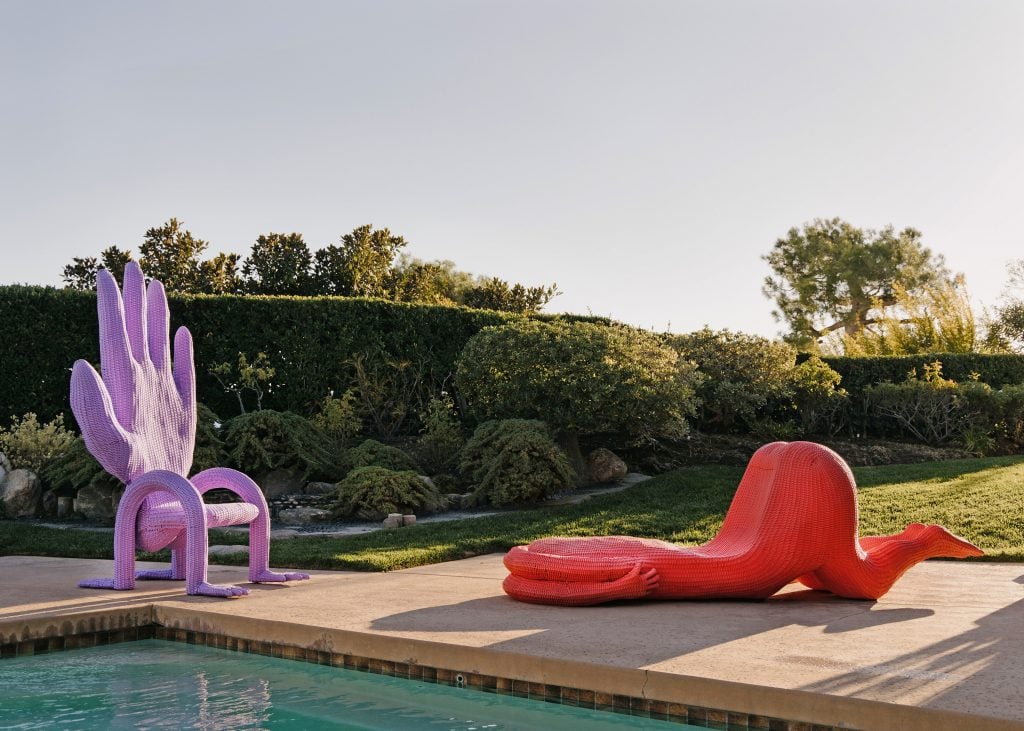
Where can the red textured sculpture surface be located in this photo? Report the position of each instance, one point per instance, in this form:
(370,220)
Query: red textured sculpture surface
(793,518)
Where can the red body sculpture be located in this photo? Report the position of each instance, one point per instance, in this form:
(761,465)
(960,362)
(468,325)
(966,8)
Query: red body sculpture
(793,518)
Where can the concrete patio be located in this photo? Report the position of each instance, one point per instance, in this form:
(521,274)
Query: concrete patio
(945,649)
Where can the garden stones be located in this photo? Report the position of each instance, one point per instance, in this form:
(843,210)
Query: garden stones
(20,493)
(603,465)
(302,516)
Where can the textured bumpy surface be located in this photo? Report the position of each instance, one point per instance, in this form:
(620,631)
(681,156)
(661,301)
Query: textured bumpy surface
(139,421)
(793,518)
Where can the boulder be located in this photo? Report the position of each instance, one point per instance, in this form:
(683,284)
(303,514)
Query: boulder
(301,516)
(408,520)
(320,488)
(603,465)
(21,494)
(394,520)
(96,503)
(280,482)
(5,467)
(48,505)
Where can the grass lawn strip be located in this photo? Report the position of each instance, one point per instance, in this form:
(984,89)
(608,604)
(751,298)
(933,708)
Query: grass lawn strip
(979,499)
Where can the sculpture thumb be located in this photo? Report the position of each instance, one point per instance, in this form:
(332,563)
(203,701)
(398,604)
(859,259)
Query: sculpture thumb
(103,435)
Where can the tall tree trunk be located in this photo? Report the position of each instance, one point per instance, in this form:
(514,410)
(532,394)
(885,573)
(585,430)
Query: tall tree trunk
(569,441)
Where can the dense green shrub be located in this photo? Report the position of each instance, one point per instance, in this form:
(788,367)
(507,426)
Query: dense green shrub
(580,378)
(930,409)
(515,461)
(372,453)
(820,404)
(75,469)
(441,438)
(743,376)
(31,445)
(374,492)
(262,441)
(209,450)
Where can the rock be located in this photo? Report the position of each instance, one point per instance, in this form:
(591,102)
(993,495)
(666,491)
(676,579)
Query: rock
(394,520)
(21,494)
(427,481)
(603,465)
(227,550)
(48,505)
(408,520)
(453,500)
(321,488)
(280,482)
(5,467)
(301,516)
(96,503)
(64,506)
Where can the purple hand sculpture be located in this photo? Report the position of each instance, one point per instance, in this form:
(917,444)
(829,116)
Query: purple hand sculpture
(139,421)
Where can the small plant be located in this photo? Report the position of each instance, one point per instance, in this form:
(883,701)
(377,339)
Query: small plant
(246,376)
(262,441)
(31,445)
(75,469)
(338,418)
(372,453)
(209,449)
(515,461)
(372,493)
(441,437)
(388,390)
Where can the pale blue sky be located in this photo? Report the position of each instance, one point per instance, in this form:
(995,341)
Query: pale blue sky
(644,155)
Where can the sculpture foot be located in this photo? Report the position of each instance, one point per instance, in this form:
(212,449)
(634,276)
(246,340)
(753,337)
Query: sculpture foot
(106,583)
(157,575)
(267,576)
(945,544)
(206,589)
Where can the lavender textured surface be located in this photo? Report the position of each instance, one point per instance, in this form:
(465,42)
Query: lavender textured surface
(138,419)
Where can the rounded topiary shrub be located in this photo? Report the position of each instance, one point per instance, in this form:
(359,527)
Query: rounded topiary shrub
(262,441)
(515,461)
(372,453)
(209,449)
(374,492)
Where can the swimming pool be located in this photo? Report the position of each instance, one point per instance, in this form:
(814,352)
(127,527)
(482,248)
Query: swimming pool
(156,684)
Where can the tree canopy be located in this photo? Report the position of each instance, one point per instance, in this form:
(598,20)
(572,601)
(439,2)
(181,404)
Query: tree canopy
(832,276)
(367,262)
(1007,327)
(278,264)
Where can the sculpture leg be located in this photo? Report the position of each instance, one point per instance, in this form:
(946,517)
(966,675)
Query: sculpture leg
(869,575)
(259,529)
(177,570)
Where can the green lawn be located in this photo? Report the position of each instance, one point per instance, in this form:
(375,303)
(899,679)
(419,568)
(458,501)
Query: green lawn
(979,499)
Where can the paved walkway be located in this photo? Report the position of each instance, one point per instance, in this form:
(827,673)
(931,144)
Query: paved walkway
(944,649)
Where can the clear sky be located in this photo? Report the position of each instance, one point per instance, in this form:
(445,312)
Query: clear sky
(644,155)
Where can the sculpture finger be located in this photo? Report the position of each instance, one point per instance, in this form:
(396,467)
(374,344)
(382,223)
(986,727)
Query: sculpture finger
(184,368)
(159,325)
(103,435)
(115,355)
(134,290)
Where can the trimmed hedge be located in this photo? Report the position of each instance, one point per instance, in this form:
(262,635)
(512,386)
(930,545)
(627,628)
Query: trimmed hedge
(997,370)
(308,341)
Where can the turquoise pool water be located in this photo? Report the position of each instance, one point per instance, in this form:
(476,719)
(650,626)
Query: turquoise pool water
(155,684)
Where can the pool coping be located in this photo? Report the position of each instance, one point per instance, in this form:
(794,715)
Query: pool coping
(642,691)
